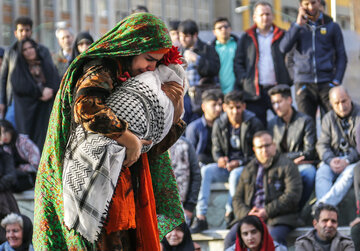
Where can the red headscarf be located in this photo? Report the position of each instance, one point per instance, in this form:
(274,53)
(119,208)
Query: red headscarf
(267,243)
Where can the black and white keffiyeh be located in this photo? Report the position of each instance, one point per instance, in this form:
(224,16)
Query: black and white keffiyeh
(93,162)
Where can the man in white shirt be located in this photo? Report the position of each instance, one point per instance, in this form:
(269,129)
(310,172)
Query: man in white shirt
(260,64)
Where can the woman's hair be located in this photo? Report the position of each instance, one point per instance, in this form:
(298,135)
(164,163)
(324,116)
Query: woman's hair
(33,43)
(250,220)
(8,127)
(12,219)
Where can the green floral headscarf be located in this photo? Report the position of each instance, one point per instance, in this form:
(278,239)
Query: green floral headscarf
(136,34)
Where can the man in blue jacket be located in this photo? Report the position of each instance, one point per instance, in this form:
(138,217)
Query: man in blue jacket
(319,56)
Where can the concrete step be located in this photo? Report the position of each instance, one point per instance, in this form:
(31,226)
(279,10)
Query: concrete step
(25,202)
(213,239)
(216,208)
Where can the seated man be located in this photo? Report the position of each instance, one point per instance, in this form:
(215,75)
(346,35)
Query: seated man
(324,236)
(199,131)
(337,148)
(294,133)
(269,187)
(231,138)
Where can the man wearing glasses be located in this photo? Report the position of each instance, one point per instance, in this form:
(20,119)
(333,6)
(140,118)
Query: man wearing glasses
(225,45)
(270,187)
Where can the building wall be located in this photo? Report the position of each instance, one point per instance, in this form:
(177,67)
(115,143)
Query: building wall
(98,17)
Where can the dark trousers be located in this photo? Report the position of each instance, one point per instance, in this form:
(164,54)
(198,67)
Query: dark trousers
(311,95)
(355,230)
(24,181)
(355,236)
(357,186)
(260,106)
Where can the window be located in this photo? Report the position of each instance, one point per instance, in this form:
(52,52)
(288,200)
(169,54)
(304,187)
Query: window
(103,8)
(65,5)
(88,7)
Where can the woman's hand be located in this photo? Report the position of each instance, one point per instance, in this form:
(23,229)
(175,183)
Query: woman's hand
(133,147)
(47,94)
(175,93)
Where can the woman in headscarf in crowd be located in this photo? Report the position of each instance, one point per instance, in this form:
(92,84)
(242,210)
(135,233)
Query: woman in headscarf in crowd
(25,153)
(178,239)
(137,44)
(82,42)
(8,203)
(19,232)
(253,235)
(34,84)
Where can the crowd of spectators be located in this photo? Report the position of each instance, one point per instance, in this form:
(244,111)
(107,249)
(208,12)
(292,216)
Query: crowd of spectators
(234,83)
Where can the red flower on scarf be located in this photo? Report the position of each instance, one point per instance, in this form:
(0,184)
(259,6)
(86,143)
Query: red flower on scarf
(171,57)
(125,76)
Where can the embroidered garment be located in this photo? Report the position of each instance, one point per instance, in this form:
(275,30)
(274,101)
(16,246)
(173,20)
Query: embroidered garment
(136,34)
(93,162)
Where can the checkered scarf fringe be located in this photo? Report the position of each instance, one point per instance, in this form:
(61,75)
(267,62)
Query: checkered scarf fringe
(93,162)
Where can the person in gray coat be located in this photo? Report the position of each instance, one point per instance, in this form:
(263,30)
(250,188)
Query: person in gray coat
(324,236)
(337,148)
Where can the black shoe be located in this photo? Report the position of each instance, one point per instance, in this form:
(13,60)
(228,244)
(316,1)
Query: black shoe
(229,219)
(198,226)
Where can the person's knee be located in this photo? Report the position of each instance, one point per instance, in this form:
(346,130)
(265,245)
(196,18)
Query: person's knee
(208,170)
(231,236)
(323,172)
(235,175)
(308,174)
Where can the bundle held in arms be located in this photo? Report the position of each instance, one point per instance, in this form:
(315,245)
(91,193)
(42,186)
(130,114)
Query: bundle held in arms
(93,162)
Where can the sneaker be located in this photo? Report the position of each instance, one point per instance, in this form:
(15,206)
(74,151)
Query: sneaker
(198,226)
(229,219)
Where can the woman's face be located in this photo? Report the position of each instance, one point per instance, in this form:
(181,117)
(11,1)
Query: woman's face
(28,51)
(251,236)
(175,237)
(5,137)
(14,235)
(83,46)
(144,62)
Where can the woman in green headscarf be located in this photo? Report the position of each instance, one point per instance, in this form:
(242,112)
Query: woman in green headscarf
(135,45)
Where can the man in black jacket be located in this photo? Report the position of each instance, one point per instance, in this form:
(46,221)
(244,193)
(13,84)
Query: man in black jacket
(294,133)
(23,30)
(260,64)
(231,149)
(203,64)
(202,59)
